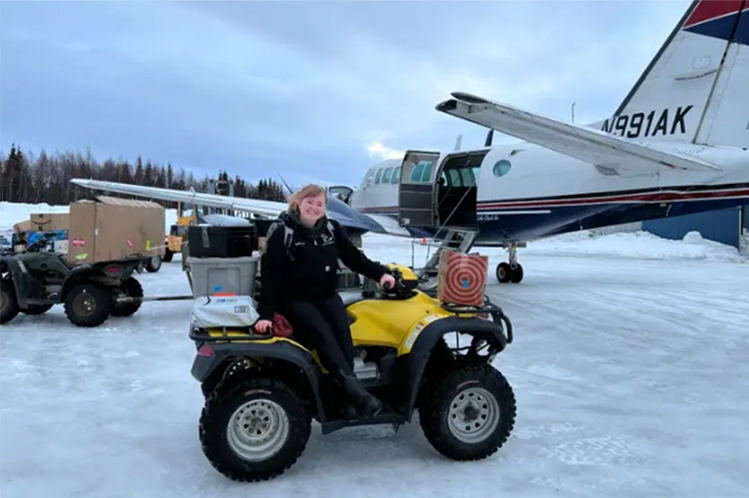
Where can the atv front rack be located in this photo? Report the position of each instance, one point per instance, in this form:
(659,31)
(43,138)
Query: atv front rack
(488,309)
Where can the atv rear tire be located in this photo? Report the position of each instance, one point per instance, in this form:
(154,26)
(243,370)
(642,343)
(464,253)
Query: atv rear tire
(266,410)
(8,301)
(88,304)
(462,433)
(131,288)
(36,309)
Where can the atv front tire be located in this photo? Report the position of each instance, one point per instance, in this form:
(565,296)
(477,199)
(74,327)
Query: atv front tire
(8,301)
(88,305)
(468,414)
(254,430)
(130,287)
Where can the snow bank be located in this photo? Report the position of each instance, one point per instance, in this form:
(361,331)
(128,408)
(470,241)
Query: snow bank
(640,244)
(11,213)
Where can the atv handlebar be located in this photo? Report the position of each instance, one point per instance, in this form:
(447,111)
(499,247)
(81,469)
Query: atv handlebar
(399,285)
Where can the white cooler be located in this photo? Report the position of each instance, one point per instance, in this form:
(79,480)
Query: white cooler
(220,311)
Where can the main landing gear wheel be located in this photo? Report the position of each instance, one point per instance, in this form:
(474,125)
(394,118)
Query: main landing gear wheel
(506,273)
(512,271)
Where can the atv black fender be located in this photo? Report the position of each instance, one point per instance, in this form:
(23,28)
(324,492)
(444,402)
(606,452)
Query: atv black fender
(85,272)
(214,358)
(19,277)
(412,366)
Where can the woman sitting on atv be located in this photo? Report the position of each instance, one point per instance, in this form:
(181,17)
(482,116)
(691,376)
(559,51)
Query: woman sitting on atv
(300,284)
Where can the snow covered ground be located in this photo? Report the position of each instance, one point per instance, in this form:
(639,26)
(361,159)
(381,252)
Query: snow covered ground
(630,366)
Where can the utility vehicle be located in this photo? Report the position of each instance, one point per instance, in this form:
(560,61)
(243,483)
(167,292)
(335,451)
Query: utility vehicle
(32,282)
(262,391)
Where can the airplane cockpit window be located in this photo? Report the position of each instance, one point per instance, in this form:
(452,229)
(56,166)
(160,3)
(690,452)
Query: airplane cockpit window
(454,178)
(386,175)
(501,168)
(378,177)
(368,177)
(468,179)
(395,180)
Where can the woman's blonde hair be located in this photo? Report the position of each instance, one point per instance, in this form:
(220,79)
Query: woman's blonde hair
(311,190)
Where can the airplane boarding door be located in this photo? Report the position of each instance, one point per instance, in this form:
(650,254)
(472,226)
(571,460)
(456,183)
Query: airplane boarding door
(416,193)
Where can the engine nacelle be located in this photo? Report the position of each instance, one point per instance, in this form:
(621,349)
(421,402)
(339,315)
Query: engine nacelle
(341,192)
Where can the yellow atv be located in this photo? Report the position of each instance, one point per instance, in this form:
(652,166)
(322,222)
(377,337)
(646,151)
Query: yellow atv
(261,392)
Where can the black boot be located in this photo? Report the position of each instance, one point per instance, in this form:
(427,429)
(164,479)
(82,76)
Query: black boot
(363,399)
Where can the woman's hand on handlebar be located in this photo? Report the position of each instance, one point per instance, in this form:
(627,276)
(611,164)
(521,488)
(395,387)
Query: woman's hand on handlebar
(387,282)
(263,325)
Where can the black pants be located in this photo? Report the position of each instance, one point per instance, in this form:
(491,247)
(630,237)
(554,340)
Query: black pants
(323,325)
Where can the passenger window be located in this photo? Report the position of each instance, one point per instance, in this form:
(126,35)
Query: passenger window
(378,177)
(395,180)
(455,178)
(501,168)
(386,176)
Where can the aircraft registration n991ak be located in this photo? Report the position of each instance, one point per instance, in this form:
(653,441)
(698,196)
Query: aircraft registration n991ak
(678,144)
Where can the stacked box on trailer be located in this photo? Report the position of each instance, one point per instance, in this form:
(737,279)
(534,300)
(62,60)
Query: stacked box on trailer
(111,229)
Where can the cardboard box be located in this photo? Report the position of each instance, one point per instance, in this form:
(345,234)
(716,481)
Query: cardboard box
(22,226)
(44,222)
(462,278)
(111,229)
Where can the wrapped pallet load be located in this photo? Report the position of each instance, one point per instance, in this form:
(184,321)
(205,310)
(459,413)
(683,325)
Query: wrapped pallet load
(462,278)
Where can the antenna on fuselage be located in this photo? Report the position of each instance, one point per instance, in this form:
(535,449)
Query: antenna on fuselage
(573,112)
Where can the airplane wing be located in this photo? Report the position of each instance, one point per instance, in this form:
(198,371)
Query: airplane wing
(337,210)
(627,157)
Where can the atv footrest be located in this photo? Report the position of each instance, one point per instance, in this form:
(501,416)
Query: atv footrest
(384,417)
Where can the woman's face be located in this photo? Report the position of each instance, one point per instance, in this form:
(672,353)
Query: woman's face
(312,209)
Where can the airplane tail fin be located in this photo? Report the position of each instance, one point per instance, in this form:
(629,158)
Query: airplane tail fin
(695,90)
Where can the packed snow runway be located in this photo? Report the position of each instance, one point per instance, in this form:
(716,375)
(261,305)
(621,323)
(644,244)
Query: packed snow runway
(630,366)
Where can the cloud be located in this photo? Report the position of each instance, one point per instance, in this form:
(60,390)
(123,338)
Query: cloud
(309,89)
(380,151)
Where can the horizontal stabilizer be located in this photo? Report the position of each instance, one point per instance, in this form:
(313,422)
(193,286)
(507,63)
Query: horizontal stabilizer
(626,157)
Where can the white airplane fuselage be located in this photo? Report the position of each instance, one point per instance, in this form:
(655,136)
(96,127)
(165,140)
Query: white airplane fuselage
(524,191)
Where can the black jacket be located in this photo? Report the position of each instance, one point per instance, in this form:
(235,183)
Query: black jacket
(312,273)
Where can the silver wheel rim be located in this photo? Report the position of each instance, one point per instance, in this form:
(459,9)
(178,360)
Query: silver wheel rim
(257,430)
(473,415)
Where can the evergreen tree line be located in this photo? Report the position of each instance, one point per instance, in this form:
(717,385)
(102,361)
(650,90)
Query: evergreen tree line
(26,178)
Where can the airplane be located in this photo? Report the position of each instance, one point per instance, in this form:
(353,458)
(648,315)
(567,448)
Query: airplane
(677,144)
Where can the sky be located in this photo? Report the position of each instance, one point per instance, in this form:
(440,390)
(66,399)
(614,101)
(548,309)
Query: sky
(315,91)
